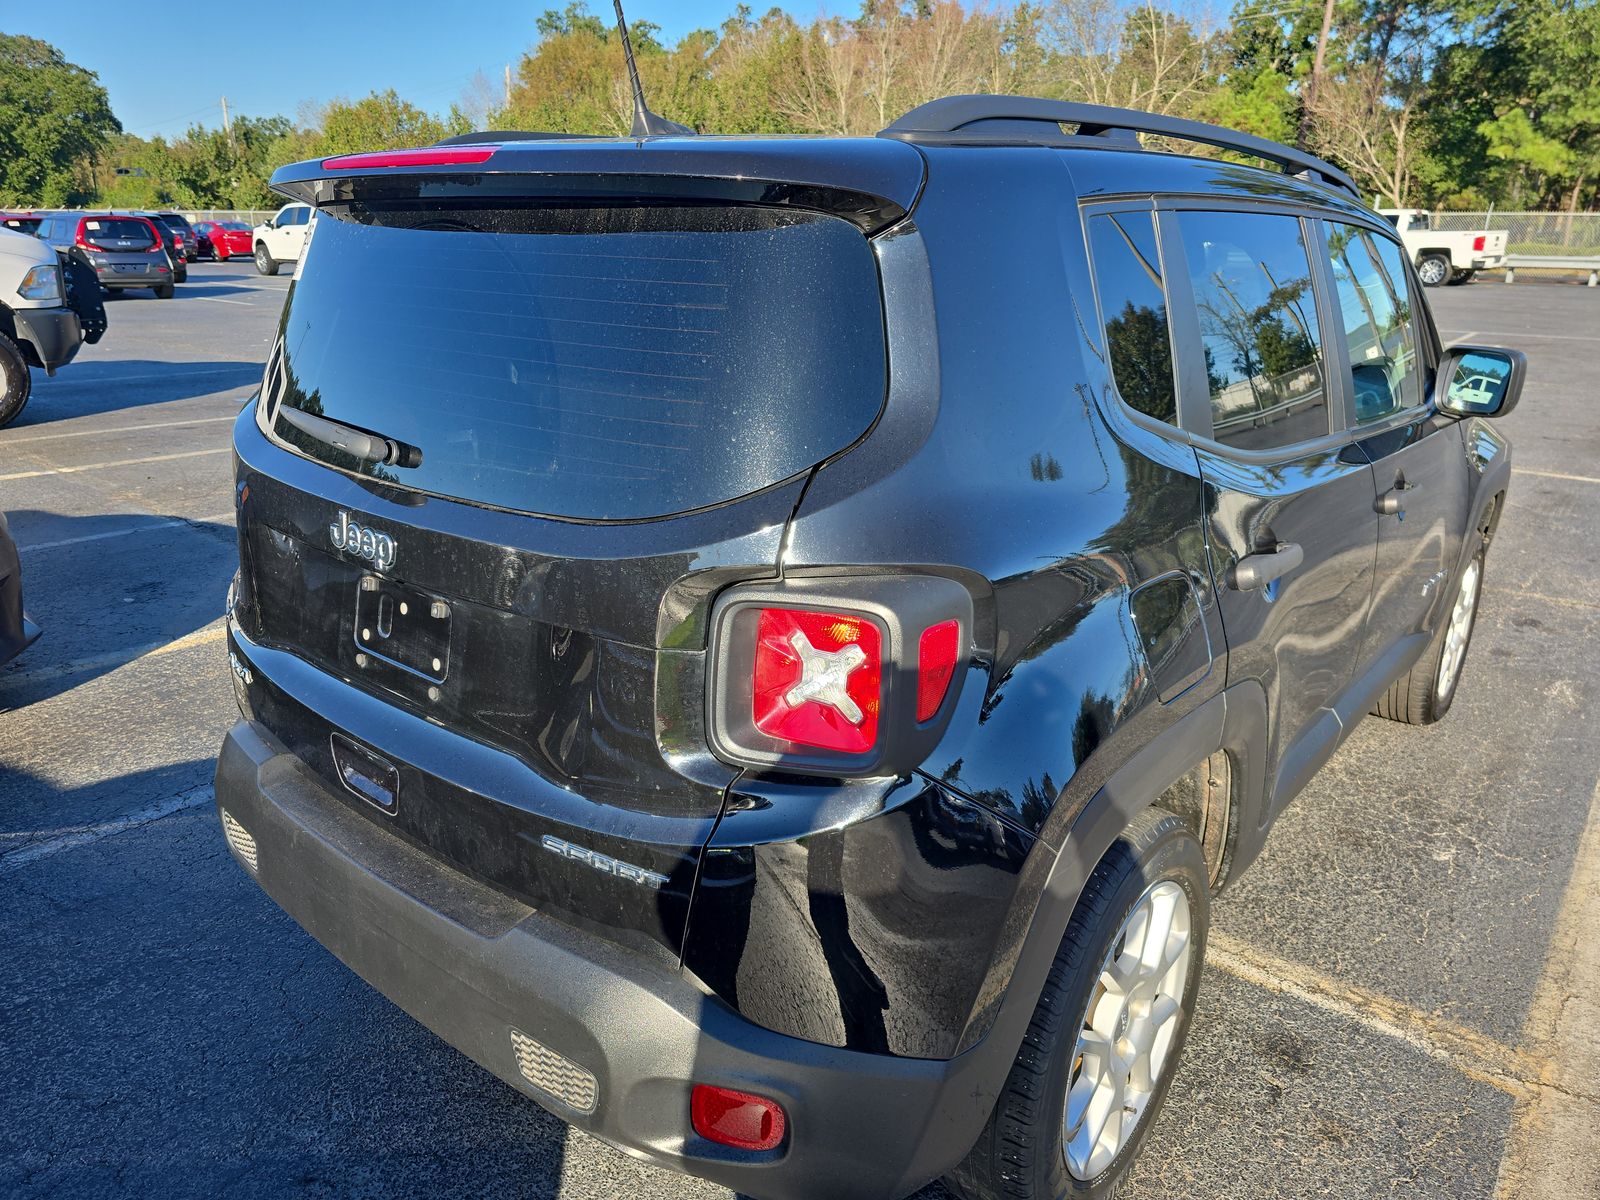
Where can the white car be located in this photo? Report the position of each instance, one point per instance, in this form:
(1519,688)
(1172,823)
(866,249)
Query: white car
(283,238)
(1446,256)
(49,306)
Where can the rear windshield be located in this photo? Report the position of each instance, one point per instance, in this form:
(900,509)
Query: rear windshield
(595,363)
(236,226)
(100,229)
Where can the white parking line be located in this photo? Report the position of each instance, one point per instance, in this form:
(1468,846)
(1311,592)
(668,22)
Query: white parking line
(121,462)
(221,300)
(84,834)
(1555,474)
(72,433)
(118,381)
(116,533)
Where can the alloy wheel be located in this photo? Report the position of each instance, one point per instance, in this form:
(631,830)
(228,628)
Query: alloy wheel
(1459,630)
(1129,1028)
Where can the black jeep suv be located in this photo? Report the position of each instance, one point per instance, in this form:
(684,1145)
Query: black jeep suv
(770,645)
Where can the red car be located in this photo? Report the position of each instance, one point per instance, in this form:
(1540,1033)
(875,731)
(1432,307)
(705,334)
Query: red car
(227,238)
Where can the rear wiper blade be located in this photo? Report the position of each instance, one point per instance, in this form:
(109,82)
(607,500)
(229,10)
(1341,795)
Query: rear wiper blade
(358,443)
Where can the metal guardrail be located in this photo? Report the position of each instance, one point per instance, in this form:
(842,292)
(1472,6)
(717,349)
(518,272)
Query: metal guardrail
(1553,262)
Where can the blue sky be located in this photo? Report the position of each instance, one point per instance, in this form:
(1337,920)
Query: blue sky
(167,67)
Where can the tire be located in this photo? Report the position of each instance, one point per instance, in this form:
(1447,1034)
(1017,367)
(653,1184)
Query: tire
(1424,694)
(1457,278)
(265,263)
(181,275)
(1023,1152)
(16,381)
(165,291)
(1433,270)
(220,257)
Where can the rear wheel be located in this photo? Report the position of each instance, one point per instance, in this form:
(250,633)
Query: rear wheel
(1104,1041)
(165,291)
(181,275)
(16,381)
(1460,277)
(265,263)
(1425,694)
(1433,270)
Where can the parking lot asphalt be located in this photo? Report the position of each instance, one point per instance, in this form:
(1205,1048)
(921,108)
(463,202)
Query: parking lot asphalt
(1399,1000)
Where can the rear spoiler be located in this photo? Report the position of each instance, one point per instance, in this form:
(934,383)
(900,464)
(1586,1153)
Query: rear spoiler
(872,183)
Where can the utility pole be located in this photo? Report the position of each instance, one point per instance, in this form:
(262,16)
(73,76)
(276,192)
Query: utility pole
(508,85)
(1316,75)
(227,125)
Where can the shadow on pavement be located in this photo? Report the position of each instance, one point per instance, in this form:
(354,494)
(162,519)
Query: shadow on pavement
(94,385)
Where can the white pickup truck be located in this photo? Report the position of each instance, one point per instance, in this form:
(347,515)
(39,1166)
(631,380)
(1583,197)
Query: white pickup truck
(1446,257)
(50,305)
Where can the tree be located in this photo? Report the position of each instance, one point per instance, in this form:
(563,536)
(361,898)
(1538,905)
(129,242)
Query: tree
(1547,122)
(380,121)
(54,116)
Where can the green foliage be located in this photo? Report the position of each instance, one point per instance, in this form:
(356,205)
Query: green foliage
(53,115)
(380,121)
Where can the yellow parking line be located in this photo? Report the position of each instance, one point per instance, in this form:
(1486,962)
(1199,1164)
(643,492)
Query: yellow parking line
(119,658)
(1563,601)
(1550,1147)
(121,462)
(1476,1055)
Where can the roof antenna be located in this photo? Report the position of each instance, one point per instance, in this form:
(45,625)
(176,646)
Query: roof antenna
(645,122)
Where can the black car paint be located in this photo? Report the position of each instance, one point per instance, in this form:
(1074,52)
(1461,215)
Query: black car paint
(910,916)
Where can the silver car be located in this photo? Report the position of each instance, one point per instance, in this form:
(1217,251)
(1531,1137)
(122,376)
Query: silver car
(125,251)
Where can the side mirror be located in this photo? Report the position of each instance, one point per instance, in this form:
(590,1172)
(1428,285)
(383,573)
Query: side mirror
(1480,381)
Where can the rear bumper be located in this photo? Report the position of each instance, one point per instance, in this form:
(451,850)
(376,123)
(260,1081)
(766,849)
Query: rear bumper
(54,334)
(112,278)
(475,965)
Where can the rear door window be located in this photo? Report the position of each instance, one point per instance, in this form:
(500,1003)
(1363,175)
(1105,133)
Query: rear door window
(585,362)
(1258,326)
(1133,308)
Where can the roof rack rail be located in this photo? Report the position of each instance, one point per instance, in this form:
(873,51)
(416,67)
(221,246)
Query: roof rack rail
(954,120)
(506,135)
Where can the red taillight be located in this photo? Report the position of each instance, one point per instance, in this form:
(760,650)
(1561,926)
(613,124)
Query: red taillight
(432,156)
(1478,243)
(818,678)
(936,666)
(736,1119)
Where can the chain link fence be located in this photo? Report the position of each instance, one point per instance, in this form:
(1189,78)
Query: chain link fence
(1554,233)
(250,216)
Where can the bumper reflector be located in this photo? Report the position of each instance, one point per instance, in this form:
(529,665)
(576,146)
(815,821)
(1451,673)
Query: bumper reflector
(239,838)
(736,1119)
(557,1076)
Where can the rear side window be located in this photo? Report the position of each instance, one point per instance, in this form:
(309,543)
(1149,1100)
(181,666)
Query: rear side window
(1133,305)
(1258,325)
(101,230)
(585,362)
(1375,304)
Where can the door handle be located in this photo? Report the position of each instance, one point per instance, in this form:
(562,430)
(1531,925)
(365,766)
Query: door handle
(1392,502)
(1257,570)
